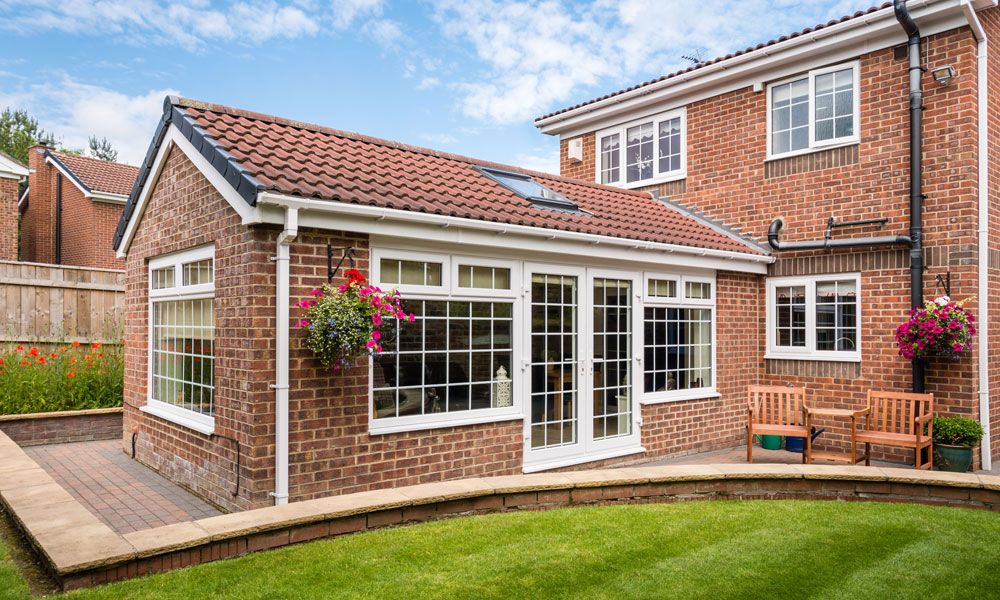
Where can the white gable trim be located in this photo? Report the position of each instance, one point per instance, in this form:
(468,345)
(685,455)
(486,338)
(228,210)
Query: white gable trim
(173,137)
(10,169)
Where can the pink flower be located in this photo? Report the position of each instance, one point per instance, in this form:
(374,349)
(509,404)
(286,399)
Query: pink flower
(370,344)
(302,323)
(413,318)
(316,292)
(342,288)
(376,335)
(377,319)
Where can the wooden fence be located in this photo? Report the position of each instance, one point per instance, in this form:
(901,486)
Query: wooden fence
(50,303)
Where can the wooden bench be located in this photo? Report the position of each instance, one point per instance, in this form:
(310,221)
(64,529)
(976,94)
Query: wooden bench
(897,419)
(778,410)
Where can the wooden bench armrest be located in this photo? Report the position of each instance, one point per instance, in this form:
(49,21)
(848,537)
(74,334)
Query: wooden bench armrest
(862,412)
(923,418)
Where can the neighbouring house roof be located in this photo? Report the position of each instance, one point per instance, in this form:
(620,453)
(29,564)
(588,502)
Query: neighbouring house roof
(95,176)
(259,153)
(12,168)
(719,59)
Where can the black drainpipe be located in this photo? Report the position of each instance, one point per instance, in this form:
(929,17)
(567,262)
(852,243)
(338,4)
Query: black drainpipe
(916,171)
(58,233)
(915,239)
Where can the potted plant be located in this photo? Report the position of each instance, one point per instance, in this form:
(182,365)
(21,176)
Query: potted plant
(345,322)
(941,328)
(954,438)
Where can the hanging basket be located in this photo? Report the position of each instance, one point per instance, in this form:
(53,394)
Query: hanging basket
(941,328)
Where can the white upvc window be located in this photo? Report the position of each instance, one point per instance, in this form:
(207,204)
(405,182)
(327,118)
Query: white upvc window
(455,364)
(815,110)
(645,151)
(814,318)
(182,338)
(679,355)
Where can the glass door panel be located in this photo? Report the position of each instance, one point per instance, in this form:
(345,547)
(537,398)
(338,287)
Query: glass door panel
(612,359)
(553,361)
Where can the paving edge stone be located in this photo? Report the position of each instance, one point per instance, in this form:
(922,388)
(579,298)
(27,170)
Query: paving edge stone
(88,552)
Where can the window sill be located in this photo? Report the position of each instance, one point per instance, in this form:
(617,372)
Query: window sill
(853,358)
(581,459)
(648,182)
(200,423)
(395,426)
(813,150)
(663,397)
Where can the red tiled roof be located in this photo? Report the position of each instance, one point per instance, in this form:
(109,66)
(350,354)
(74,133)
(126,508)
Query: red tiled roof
(719,59)
(100,175)
(311,161)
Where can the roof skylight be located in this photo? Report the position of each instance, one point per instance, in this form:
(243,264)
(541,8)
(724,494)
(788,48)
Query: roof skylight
(526,187)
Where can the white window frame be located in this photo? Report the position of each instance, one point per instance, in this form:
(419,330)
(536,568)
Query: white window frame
(427,257)
(181,416)
(814,145)
(809,352)
(678,302)
(621,130)
(449,291)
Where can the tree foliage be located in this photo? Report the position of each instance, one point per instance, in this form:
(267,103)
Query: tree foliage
(20,131)
(102,149)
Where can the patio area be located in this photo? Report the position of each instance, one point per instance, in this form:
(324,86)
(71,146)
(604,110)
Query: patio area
(121,492)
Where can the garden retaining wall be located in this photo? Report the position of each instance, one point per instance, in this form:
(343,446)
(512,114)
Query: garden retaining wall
(36,429)
(81,551)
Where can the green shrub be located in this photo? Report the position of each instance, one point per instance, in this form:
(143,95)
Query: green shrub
(957,431)
(71,376)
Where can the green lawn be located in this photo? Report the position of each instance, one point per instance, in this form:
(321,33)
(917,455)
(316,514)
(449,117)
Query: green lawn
(732,549)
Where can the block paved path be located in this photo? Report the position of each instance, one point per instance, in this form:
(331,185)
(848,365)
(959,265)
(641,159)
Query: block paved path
(123,493)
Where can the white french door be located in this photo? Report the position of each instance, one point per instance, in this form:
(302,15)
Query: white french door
(581,364)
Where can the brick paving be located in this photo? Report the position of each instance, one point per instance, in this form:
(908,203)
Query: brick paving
(124,494)
(760,455)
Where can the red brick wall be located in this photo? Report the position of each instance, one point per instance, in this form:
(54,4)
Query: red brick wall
(38,222)
(60,428)
(8,219)
(991,22)
(185,211)
(729,180)
(88,226)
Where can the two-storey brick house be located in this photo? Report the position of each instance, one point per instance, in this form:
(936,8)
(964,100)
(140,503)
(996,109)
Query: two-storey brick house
(71,208)
(561,321)
(813,129)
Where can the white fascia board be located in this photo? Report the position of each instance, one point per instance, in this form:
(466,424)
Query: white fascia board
(830,45)
(173,137)
(12,170)
(107,197)
(404,224)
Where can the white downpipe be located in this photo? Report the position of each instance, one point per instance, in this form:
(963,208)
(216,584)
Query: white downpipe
(984,230)
(281,292)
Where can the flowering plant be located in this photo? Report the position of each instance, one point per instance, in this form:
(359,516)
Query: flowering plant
(345,322)
(53,377)
(941,328)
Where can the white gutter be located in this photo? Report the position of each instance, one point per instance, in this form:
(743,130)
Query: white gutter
(986,452)
(281,292)
(407,216)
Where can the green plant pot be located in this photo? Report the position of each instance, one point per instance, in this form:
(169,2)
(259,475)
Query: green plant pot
(952,458)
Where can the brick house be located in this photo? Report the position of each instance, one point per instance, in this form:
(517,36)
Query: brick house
(71,208)
(12,173)
(562,321)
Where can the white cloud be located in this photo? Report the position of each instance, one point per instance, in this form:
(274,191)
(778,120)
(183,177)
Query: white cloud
(187,23)
(73,110)
(440,139)
(428,83)
(345,12)
(540,159)
(539,54)
(385,32)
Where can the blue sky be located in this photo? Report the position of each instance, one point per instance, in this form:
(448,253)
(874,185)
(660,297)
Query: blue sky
(465,76)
